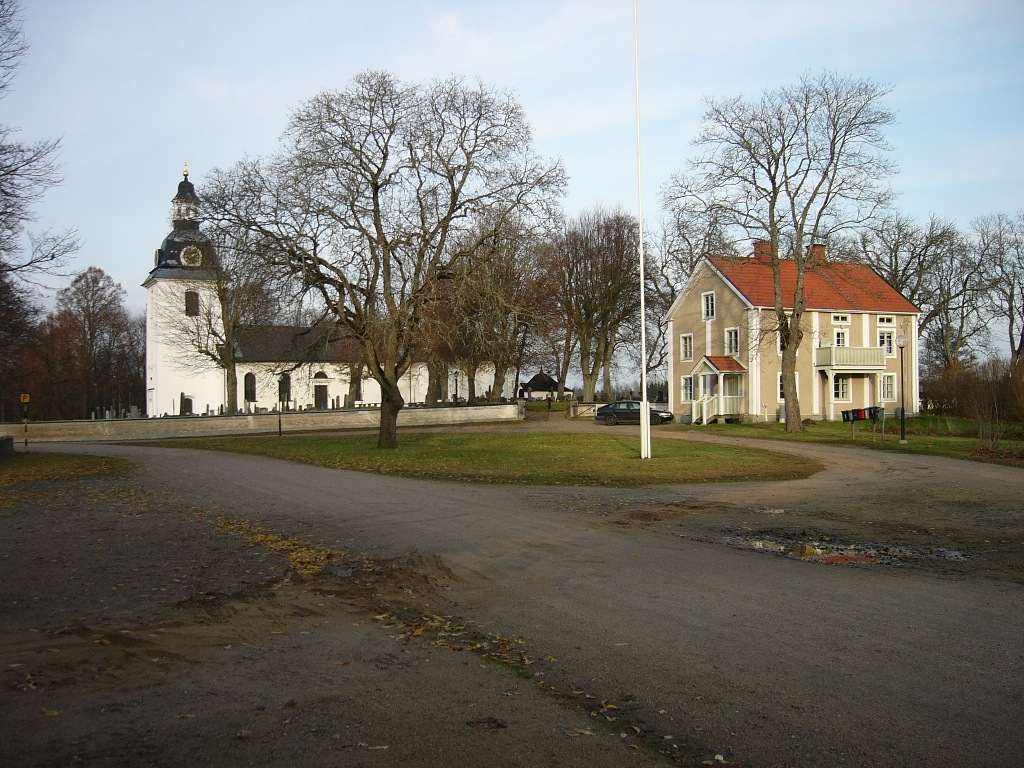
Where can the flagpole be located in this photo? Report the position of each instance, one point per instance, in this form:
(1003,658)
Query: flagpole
(645,410)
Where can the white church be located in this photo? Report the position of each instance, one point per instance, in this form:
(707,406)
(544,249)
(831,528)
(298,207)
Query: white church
(273,363)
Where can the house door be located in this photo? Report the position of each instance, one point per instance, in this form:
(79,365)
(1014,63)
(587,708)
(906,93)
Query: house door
(320,397)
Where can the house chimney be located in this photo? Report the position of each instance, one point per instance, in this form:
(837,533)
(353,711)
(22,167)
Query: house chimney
(816,253)
(762,249)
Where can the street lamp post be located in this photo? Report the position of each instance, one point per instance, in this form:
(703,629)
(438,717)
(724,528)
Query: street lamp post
(901,342)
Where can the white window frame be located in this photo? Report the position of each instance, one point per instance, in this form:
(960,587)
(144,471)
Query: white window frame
(686,346)
(887,340)
(841,337)
(841,319)
(887,320)
(735,348)
(779,388)
(778,345)
(887,382)
(842,388)
(686,388)
(707,305)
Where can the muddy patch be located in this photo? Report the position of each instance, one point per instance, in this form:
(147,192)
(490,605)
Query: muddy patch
(826,549)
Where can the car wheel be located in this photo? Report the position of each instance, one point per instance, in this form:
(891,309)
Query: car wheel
(610,420)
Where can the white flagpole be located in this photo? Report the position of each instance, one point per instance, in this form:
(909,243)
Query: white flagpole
(645,410)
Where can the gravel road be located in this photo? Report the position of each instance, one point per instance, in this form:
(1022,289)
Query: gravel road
(626,625)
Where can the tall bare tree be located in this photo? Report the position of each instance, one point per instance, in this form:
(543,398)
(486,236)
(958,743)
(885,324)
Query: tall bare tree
(912,258)
(799,165)
(27,171)
(373,184)
(595,265)
(480,317)
(958,327)
(18,318)
(1000,242)
(96,324)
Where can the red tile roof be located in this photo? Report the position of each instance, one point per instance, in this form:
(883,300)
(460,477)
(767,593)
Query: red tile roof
(724,363)
(827,285)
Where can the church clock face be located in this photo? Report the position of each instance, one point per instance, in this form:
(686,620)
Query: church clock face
(191,256)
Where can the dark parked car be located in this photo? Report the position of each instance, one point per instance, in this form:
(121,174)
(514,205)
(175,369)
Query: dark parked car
(628,412)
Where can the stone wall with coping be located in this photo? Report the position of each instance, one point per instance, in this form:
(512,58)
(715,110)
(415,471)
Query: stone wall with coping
(203,426)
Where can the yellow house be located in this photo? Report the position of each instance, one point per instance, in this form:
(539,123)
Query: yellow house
(725,360)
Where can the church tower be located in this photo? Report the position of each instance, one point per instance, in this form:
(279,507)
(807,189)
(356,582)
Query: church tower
(182,316)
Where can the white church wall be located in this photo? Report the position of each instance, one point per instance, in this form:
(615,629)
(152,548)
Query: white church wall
(174,369)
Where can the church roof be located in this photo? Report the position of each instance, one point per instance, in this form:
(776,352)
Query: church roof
(291,344)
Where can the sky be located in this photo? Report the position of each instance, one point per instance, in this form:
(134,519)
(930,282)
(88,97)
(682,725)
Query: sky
(136,88)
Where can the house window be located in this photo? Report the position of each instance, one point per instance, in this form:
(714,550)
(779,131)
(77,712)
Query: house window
(841,388)
(686,346)
(888,393)
(782,396)
(732,341)
(686,389)
(840,319)
(885,340)
(841,337)
(191,304)
(707,306)
(886,320)
(778,344)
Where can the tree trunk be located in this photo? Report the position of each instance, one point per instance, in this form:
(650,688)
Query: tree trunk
(794,422)
(564,363)
(391,402)
(498,387)
(437,382)
(231,382)
(355,383)
(470,371)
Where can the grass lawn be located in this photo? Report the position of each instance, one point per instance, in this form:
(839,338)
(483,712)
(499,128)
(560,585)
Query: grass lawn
(931,435)
(527,459)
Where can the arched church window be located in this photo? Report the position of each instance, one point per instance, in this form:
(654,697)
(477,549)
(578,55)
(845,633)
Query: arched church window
(191,304)
(250,387)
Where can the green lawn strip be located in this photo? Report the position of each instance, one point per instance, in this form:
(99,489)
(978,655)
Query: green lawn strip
(527,459)
(933,436)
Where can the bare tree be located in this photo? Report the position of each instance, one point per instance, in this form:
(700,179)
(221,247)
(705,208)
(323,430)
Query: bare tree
(1000,242)
(595,265)
(801,164)
(372,186)
(18,318)
(487,305)
(27,171)
(958,325)
(92,308)
(910,257)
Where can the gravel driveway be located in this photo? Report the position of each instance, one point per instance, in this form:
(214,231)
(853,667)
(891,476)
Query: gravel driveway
(154,618)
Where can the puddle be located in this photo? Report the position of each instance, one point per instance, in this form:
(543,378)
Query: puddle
(839,553)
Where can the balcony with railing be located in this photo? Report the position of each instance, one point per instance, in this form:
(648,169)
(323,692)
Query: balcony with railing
(850,358)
